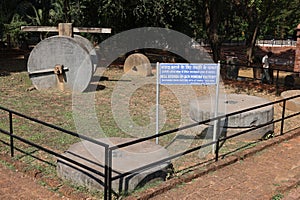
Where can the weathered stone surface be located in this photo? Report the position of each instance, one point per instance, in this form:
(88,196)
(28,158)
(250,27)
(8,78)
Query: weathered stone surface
(232,70)
(202,109)
(90,49)
(289,81)
(65,51)
(124,160)
(138,64)
(293,104)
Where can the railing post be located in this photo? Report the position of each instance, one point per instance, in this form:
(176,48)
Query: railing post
(106,178)
(282,117)
(11,132)
(109,174)
(277,84)
(217,149)
(219,132)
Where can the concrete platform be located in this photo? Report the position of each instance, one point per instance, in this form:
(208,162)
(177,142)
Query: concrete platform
(124,160)
(203,108)
(293,104)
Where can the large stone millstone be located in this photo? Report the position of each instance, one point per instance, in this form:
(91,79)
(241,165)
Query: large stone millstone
(89,48)
(138,64)
(202,109)
(65,51)
(292,104)
(124,160)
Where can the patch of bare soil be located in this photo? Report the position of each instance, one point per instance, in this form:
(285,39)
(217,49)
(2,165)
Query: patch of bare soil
(21,182)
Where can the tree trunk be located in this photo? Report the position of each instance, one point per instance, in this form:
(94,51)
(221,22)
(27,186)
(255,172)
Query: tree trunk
(211,23)
(250,51)
(251,45)
(216,49)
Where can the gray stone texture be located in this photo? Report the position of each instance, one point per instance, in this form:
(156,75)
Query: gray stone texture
(61,50)
(89,48)
(124,160)
(138,64)
(232,69)
(203,108)
(293,104)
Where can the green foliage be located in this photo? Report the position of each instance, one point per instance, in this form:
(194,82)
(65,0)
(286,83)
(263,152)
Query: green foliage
(13,32)
(216,20)
(277,196)
(37,19)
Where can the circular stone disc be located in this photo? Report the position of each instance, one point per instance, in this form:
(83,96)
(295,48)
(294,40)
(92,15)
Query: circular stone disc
(60,50)
(138,64)
(293,104)
(90,49)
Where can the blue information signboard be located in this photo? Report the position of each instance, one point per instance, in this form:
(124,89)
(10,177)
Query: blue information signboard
(188,74)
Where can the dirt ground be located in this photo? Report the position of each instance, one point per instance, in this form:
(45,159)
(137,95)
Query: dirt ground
(256,177)
(17,185)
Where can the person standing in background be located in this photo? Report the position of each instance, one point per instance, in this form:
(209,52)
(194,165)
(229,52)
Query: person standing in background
(266,68)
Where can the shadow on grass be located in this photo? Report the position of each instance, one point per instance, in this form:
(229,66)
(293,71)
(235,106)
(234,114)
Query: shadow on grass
(13,65)
(30,153)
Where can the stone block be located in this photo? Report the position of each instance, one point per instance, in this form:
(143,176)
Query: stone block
(203,108)
(124,160)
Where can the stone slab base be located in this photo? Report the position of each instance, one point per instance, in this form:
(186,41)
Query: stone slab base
(124,160)
(293,104)
(203,108)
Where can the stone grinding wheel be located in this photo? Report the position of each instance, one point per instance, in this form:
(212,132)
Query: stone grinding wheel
(292,104)
(137,64)
(90,49)
(65,51)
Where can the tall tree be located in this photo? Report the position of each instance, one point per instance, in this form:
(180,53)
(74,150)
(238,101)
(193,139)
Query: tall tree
(259,17)
(219,23)
(212,21)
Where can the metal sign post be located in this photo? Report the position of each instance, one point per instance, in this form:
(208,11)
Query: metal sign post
(188,74)
(157,100)
(216,108)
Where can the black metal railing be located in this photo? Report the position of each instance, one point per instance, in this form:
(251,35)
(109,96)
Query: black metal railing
(217,142)
(275,67)
(13,136)
(108,161)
